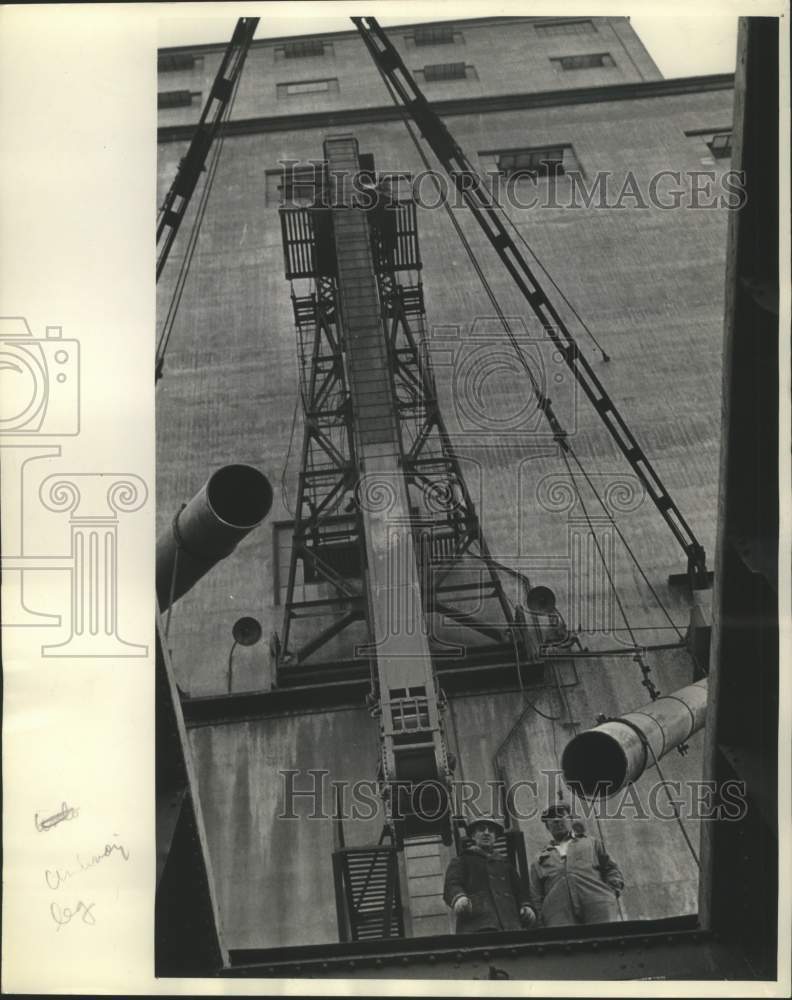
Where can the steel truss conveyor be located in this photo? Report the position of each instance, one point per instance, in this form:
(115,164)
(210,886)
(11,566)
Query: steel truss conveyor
(388,561)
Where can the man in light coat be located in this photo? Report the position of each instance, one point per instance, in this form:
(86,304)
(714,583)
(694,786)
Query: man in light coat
(483,888)
(574,880)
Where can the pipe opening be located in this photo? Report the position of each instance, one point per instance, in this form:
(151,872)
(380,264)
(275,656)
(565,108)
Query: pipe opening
(594,765)
(239,495)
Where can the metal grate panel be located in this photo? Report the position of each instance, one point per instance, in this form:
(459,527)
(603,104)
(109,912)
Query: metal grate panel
(299,239)
(367,887)
(395,238)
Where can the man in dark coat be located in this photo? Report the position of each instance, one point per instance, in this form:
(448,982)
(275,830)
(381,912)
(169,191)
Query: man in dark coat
(574,880)
(482,887)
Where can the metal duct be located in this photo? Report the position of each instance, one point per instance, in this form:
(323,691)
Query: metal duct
(601,761)
(233,502)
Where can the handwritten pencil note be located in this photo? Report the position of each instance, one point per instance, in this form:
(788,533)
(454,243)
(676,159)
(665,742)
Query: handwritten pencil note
(66,812)
(80,857)
(63,878)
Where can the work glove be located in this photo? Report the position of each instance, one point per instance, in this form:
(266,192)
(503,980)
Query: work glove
(463,905)
(527,916)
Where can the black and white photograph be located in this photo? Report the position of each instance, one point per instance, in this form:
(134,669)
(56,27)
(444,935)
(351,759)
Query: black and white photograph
(396,498)
(466,408)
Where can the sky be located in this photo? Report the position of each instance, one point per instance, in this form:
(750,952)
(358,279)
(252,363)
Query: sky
(680,43)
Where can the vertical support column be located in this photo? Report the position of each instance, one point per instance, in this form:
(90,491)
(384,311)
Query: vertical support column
(402,654)
(741,742)
(425,862)
(94,502)
(14,459)
(413,747)
(591,598)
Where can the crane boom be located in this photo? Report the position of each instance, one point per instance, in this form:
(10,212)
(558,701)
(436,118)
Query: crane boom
(178,197)
(488,215)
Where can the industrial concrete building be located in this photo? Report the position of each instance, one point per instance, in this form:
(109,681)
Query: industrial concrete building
(576,120)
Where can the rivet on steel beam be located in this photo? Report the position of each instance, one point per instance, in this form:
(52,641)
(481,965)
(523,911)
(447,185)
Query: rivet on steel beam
(540,950)
(485,954)
(378,962)
(595,945)
(351,965)
(459,956)
(405,960)
(433,958)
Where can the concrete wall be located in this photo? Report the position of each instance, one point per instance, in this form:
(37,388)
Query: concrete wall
(505,55)
(649,284)
(274,875)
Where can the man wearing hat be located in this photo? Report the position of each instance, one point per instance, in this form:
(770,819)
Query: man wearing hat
(574,880)
(483,888)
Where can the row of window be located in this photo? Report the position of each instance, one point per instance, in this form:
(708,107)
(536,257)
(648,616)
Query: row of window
(446,34)
(546,161)
(719,143)
(178,98)
(434,34)
(170,61)
(428,34)
(436,73)
(298,184)
(590,61)
(441,72)
(301,87)
(303,48)
(566,27)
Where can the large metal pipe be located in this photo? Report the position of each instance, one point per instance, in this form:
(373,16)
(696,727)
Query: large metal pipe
(601,761)
(233,502)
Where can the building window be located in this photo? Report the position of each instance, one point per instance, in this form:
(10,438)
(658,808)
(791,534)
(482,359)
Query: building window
(434,34)
(441,72)
(168,61)
(178,98)
(566,27)
(342,555)
(539,161)
(596,61)
(301,87)
(398,184)
(303,48)
(720,145)
(294,185)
